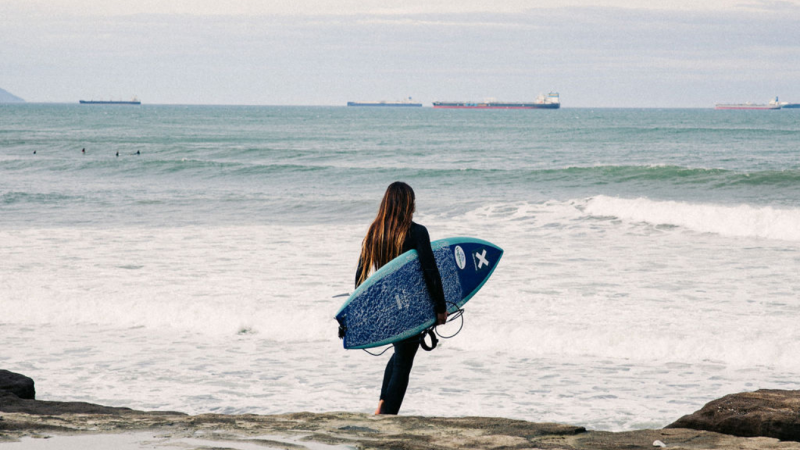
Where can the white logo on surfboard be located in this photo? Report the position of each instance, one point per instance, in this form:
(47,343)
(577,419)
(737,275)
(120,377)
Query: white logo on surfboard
(480,259)
(461,258)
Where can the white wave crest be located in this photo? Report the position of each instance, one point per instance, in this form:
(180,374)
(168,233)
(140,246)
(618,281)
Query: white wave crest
(738,221)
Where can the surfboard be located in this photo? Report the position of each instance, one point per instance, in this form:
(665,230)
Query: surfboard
(394,303)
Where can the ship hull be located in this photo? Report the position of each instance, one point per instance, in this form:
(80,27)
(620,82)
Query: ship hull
(386,104)
(457,105)
(748,107)
(93,102)
(791,106)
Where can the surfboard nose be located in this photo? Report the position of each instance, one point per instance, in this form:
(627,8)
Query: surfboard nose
(475,262)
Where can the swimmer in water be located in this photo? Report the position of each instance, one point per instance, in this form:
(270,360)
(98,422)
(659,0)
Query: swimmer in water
(117,154)
(83,151)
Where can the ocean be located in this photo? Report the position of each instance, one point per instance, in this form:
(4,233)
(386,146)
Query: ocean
(651,256)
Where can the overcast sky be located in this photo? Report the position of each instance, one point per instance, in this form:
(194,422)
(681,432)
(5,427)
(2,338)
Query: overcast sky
(595,53)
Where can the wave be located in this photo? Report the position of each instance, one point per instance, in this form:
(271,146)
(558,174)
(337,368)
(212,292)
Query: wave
(554,284)
(160,166)
(212,168)
(573,175)
(736,221)
(676,175)
(12,197)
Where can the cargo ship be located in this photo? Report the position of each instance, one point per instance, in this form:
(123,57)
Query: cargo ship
(551,101)
(773,104)
(408,102)
(134,101)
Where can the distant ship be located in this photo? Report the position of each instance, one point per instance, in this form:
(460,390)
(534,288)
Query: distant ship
(773,104)
(407,102)
(551,101)
(134,101)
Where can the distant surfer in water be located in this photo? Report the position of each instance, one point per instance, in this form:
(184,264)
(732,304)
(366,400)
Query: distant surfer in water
(391,234)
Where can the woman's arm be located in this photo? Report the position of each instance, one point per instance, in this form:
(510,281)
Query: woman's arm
(422,244)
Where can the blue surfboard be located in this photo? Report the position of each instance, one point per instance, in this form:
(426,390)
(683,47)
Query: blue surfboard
(394,303)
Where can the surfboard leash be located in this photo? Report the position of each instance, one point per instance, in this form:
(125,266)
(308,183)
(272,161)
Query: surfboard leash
(458,314)
(434,340)
(378,354)
(431,332)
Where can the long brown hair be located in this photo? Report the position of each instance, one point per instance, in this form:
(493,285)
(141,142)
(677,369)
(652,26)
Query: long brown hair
(384,239)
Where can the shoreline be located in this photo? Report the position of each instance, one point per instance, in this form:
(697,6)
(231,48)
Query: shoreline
(64,425)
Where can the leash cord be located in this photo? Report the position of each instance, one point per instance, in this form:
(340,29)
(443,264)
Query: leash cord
(377,354)
(458,314)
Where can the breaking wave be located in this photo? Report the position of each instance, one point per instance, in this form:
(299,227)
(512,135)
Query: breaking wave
(738,221)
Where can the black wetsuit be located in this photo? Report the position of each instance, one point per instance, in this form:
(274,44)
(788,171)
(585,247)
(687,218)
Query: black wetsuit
(395,377)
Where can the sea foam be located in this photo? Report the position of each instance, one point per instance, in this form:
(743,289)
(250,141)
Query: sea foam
(736,221)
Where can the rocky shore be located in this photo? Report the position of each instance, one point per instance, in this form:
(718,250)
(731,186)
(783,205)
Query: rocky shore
(22,420)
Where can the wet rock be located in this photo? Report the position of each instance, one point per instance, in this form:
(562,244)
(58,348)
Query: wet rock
(22,418)
(17,384)
(766,412)
(10,403)
(340,430)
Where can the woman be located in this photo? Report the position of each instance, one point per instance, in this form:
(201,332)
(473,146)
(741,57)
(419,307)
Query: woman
(391,234)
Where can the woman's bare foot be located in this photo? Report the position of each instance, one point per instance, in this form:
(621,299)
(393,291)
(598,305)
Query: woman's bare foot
(380,405)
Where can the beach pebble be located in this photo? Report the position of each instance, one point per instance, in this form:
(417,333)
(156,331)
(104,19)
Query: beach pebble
(659,444)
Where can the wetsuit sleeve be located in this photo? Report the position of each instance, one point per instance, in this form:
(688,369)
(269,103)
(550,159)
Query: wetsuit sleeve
(358,271)
(422,244)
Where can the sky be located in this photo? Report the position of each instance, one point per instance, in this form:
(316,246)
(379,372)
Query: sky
(595,53)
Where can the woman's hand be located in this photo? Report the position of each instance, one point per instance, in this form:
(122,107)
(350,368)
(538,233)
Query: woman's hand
(441,318)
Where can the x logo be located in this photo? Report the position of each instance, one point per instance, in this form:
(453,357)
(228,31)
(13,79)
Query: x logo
(482,259)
